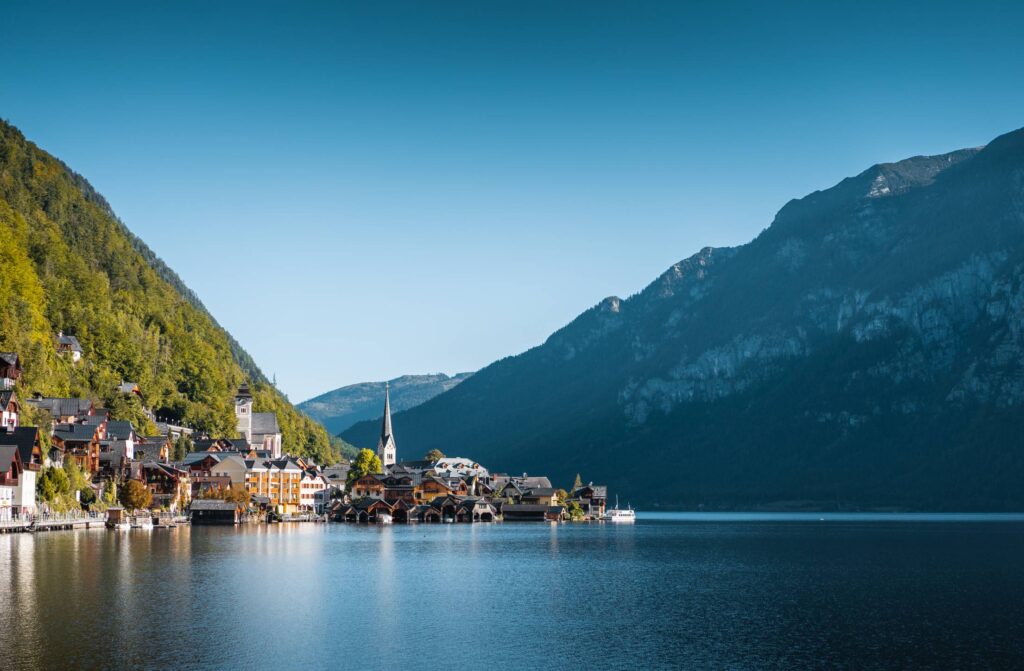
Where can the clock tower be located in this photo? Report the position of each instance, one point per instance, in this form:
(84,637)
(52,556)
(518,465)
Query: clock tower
(243,411)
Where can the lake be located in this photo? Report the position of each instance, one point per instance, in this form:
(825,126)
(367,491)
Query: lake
(671,591)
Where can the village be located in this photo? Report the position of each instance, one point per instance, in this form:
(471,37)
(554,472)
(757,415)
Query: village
(90,468)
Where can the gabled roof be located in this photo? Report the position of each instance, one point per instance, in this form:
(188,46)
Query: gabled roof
(9,359)
(8,455)
(120,430)
(70,341)
(24,437)
(541,491)
(75,432)
(7,396)
(62,407)
(264,423)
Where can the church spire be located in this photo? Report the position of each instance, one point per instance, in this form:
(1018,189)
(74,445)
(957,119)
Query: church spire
(386,445)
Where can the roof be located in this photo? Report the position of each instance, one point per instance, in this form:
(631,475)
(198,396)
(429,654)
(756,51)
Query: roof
(541,491)
(211,504)
(24,437)
(84,432)
(7,396)
(127,387)
(243,391)
(120,429)
(9,358)
(7,455)
(534,482)
(529,508)
(264,423)
(62,407)
(69,340)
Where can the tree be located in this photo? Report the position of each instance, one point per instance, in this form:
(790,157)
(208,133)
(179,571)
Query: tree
(434,455)
(365,463)
(577,483)
(135,495)
(110,493)
(574,510)
(561,496)
(77,478)
(182,446)
(237,494)
(53,483)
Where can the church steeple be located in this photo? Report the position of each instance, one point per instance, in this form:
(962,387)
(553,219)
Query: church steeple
(386,445)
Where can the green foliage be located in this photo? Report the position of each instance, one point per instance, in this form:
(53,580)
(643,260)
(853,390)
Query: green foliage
(574,510)
(135,495)
(78,480)
(366,462)
(52,483)
(69,265)
(561,496)
(110,493)
(434,455)
(182,446)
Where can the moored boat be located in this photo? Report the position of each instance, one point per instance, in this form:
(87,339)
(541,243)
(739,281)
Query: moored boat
(618,514)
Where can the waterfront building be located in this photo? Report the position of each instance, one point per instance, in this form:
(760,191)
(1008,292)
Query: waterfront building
(11,470)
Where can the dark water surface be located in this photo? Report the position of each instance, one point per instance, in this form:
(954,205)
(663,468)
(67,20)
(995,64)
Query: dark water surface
(668,592)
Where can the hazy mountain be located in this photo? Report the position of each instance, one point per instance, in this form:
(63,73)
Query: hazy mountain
(339,409)
(68,264)
(867,349)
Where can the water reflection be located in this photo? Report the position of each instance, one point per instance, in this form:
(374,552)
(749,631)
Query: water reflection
(657,594)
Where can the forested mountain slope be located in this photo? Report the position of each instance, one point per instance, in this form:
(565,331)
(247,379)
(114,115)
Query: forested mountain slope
(69,265)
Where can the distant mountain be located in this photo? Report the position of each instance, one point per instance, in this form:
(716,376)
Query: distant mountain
(865,350)
(67,263)
(339,409)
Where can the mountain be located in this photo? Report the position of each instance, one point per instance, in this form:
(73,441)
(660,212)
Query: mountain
(70,265)
(339,409)
(866,350)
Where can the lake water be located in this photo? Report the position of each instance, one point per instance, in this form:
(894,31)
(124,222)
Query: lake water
(671,591)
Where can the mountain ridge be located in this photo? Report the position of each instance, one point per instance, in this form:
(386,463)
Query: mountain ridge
(837,358)
(340,408)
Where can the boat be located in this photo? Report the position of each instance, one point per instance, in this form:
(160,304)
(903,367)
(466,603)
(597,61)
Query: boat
(618,514)
(383,518)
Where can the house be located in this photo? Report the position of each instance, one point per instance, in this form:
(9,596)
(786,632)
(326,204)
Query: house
(234,467)
(285,492)
(122,431)
(10,370)
(80,440)
(311,484)
(459,467)
(171,486)
(434,487)
(259,428)
(153,448)
(31,445)
(130,389)
(528,512)
(63,410)
(10,479)
(545,496)
(211,511)
(69,345)
(592,498)
(9,410)
(173,431)
(336,476)
(221,445)
(370,485)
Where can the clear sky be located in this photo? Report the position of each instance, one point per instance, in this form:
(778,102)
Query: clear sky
(358,191)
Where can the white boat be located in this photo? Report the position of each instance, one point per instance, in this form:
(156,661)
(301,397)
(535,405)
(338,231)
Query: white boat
(384,518)
(119,526)
(618,514)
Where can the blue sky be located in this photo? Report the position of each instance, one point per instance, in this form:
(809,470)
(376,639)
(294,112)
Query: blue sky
(359,192)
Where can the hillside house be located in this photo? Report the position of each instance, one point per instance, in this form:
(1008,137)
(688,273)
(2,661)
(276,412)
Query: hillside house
(31,445)
(10,370)
(68,345)
(10,408)
(10,478)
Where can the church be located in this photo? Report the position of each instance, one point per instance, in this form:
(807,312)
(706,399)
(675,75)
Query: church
(386,444)
(260,429)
